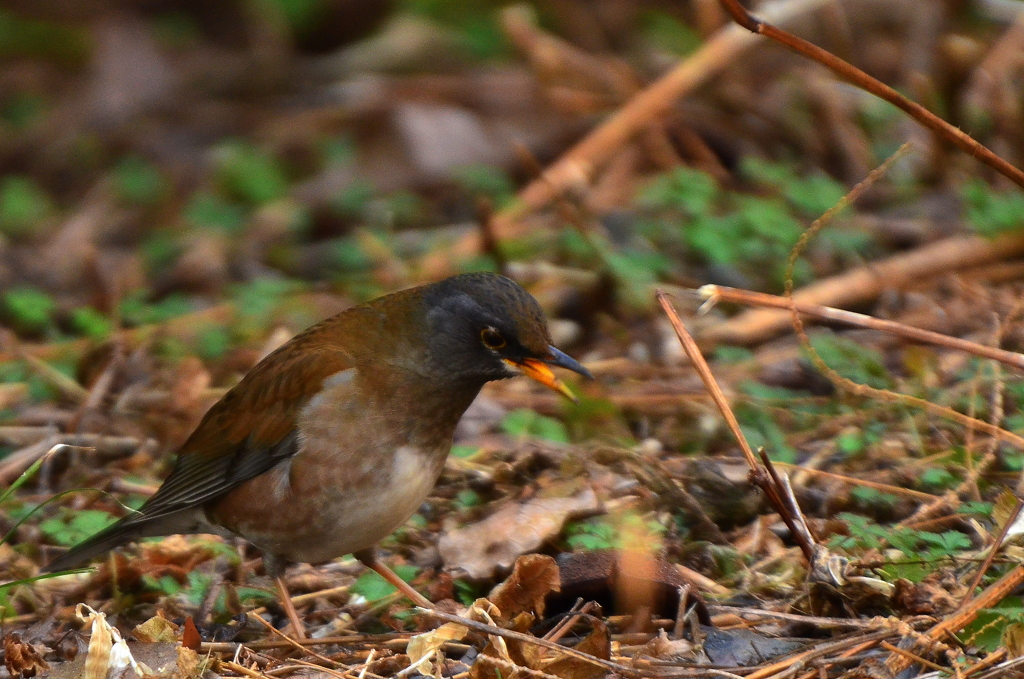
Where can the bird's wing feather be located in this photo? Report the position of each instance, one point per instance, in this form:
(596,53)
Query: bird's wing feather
(243,435)
(247,432)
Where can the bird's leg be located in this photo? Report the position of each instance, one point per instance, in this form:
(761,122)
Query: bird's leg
(369,559)
(275,568)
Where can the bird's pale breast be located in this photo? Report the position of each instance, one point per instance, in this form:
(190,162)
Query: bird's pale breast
(359,474)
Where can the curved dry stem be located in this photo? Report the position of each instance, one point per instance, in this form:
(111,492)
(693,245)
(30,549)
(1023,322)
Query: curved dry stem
(848,384)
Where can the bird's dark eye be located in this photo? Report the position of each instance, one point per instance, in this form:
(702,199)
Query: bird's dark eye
(492,339)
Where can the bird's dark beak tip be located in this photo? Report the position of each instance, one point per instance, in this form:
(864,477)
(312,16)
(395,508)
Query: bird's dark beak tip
(563,360)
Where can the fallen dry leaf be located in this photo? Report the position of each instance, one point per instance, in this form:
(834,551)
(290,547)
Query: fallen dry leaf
(190,635)
(156,629)
(597,644)
(422,647)
(515,529)
(524,590)
(1013,639)
(663,648)
(163,660)
(107,650)
(21,658)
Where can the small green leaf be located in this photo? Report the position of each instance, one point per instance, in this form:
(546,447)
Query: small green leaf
(592,534)
(23,109)
(938,479)
(373,587)
(210,211)
(23,206)
(873,497)
(468,498)
(466,592)
(464,451)
(139,182)
(213,342)
(730,354)
(527,423)
(685,189)
(982,509)
(353,200)
(666,32)
(815,194)
(850,443)
(767,173)
(31,308)
(135,310)
(81,524)
(486,180)
(990,212)
(91,323)
(249,173)
(852,360)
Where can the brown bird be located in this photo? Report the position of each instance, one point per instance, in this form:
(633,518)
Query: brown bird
(334,440)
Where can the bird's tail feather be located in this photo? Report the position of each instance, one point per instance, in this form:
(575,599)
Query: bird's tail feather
(104,541)
(126,530)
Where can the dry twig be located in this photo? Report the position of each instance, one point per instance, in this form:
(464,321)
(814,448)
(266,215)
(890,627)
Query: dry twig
(866,283)
(578,165)
(861,79)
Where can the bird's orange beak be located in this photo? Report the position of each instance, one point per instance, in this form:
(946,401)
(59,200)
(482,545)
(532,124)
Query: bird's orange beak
(538,370)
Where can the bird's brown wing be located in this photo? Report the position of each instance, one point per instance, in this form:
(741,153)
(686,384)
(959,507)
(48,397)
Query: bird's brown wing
(243,435)
(247,432)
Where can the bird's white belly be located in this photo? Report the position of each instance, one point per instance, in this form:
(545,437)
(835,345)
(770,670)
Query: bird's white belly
(349,519)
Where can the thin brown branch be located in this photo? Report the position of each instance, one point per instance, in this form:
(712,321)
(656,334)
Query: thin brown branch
(763,475)
(884,487)
(527,639)
(820,650)
(578,166)
(912,657)
(988,661)
(867,282)
(966,614)
(789,510)
(861,79)
(701,366)
(720,293)
(990,557)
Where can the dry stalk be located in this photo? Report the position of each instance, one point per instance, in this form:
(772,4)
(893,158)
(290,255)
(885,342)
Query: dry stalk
(865,283)
(861,79)
(716,293)
(579,164)
(885,487)
(987,662)
(763,475)
(394,641)
(562,628)
(862,641)
(527,639)
(242,669)
(704,371)
(720,293)
(850,385)
(822,622)
(990,557)
(848,653)
(912,657)
(294,643)
(513,668)
(964,615)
